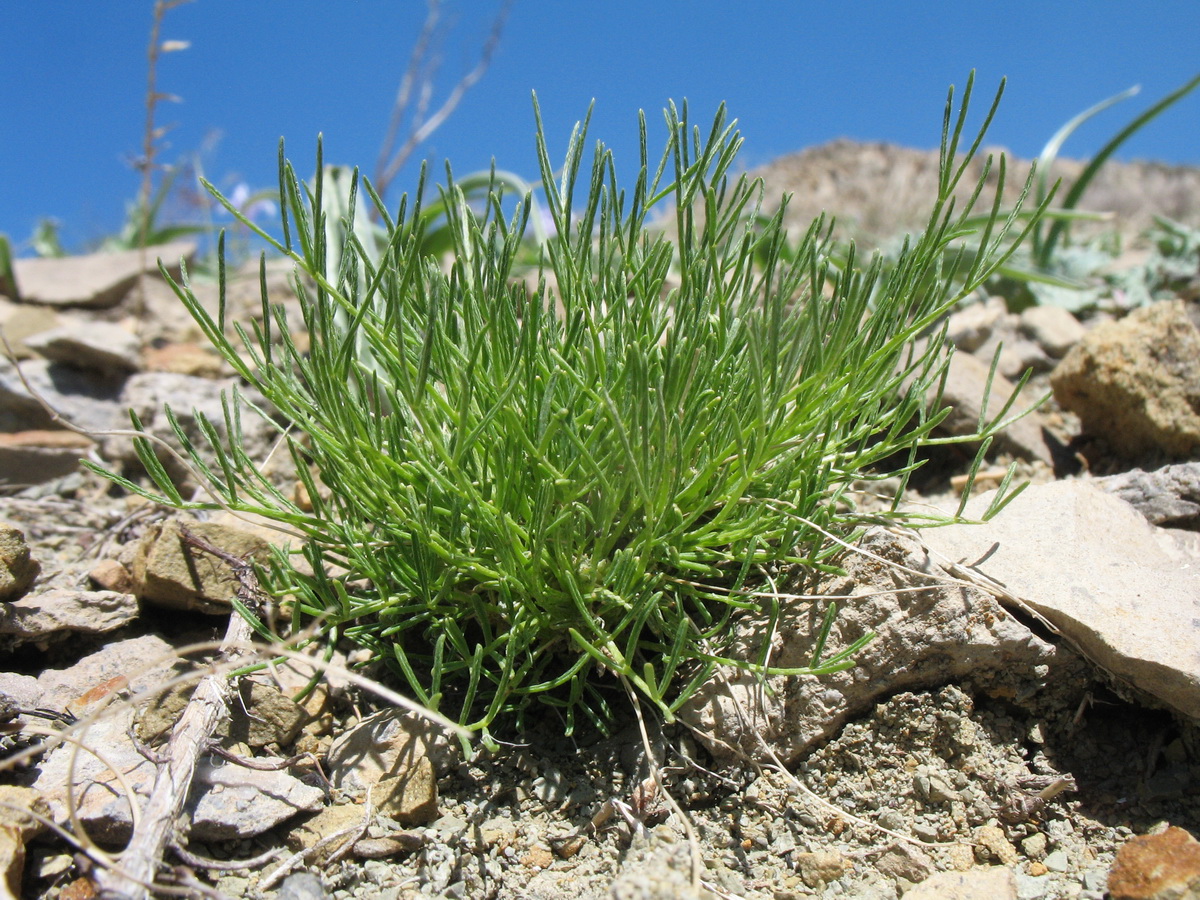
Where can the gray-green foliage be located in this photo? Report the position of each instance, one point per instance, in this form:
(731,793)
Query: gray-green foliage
(552,495)
(1052,270)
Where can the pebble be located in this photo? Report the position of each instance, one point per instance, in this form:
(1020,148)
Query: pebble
(1034,846)
(1057,861)
(297,886)
(1032,887)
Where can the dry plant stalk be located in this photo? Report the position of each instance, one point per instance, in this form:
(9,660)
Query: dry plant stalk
(416,92)
(150,136)
(208,708)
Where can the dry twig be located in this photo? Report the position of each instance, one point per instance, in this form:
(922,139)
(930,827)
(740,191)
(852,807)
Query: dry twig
(206,710)
(416,87)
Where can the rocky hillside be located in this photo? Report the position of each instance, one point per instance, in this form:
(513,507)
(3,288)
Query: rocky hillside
(1025,724)
(879,190)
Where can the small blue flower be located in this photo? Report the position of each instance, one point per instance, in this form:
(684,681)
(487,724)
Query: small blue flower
(254,205)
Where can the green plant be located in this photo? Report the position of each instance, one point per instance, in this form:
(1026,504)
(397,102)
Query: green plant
(553,495)
(1051,270)
(1048,269)
(1044,239)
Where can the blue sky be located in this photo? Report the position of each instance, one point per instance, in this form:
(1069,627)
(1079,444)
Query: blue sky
(793,74)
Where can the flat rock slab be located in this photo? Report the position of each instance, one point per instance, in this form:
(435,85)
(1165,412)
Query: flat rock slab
(59,612)
(227,801)
(1169,496)
(929,629)
(98,280)
(37,456)
(1135,383)
(1126,593)
(100,346)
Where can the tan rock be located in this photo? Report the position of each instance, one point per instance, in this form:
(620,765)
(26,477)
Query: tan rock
(18,568)
(1119,589)
(964,393)
(1135,383)
(343,819)
(16,830)
(97,280)
(19,322)
(101,347)
(1053,327)
(923,637)
(992,846)
(46,616)
(184,359)
(110,575)
(389,845)
(819,868)
(386,745)
(37,455)
(1157,867)
(264,716)
(170,573)
(993,883)
(411,798)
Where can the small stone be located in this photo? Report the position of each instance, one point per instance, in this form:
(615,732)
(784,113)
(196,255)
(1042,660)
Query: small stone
(538,856)
(960,857)
(389,845)
(1037,868)
(96,346)
(1169,496)
(116,666)
(38,455)
(16,830)
(23,321)
(569,847)
(498,832)
(385,745)
(110,575)
(58,613)
(925,831)
(1157,867)
(551,787)
(82,398)
(343,817)
(238,802)
(905,861)
(1053,327)
(176,575)
(992,846)
(148,394)
(264,716)
(18,568)
(972,325)
(410,798)
(993,883)
(183,359)
(97,280)
(940,791)
(966,380)
(1136,382)
(1032,887)
(82,888)
(819,868)
(1057,861)
(302,886)
(1034,846)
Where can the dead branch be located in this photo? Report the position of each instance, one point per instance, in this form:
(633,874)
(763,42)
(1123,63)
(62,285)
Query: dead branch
(418,81)
(150,136)
(208,708)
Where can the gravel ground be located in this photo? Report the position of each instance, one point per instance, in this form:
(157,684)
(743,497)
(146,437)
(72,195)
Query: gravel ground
(939,779)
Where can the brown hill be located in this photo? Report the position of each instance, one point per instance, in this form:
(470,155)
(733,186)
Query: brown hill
(877,190)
